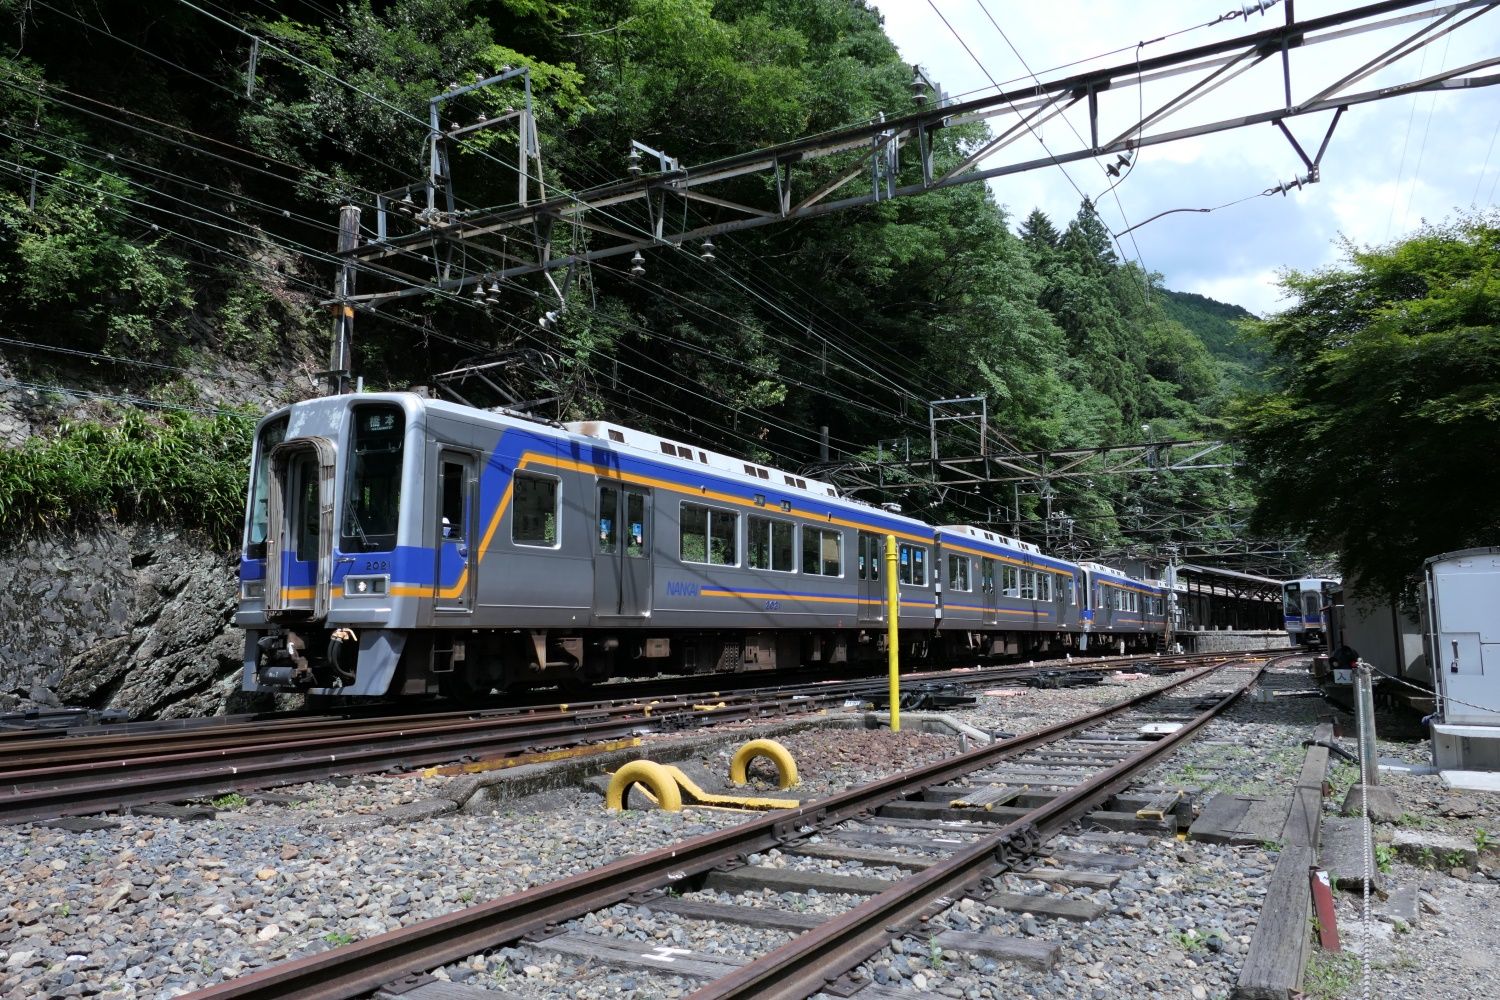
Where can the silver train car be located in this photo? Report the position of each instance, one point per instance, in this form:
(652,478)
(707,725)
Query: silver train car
(398,545)
(1303,602)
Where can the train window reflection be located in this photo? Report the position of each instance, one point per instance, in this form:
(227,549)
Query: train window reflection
(271,435)
(535,519)
(372,501)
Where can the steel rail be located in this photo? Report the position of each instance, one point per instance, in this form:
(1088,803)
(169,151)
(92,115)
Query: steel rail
(43,793)
(115,746)
(809,961)
(361,967)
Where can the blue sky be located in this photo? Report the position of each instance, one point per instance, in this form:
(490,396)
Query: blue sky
(1391,164)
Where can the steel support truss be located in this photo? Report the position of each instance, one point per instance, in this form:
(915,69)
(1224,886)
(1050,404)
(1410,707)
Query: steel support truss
(1063,463)
(800,179)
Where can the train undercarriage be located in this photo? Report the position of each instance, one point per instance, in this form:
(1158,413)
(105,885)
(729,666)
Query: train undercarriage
(306,657)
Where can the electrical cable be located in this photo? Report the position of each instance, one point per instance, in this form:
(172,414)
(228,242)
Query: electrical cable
(1079,135)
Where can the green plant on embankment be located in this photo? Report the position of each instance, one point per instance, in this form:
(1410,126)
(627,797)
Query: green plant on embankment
(1330,975)
(175,469)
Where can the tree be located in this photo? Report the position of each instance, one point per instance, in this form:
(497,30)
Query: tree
(1380,444)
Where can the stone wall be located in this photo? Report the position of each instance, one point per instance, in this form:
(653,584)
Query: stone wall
(136,619)
(1219,642)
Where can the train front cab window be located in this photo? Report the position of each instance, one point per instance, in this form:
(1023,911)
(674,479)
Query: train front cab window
(1291,602)
(372,499)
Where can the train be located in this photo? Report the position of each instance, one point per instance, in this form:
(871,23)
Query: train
(398,545)
(1303,602)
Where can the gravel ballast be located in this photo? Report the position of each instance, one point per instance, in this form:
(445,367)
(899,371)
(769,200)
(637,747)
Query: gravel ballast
(158,907)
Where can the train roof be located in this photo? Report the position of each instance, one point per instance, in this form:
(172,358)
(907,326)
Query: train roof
(655,444)
(981,534)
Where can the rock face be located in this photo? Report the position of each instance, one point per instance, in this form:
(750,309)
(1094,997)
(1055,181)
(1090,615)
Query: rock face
(133,618)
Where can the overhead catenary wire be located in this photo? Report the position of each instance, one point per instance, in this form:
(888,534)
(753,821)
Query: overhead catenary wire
(1113,188)
(507,165)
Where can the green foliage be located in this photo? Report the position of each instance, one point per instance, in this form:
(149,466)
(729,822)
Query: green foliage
(1390,403)
(1330,975)
(71,257)
(177,469)
(851,321)
(339,938)
(1385,857)
(230,800)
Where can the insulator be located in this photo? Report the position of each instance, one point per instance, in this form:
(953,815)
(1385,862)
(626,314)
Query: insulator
(706,252)
(638,265)
(633,164)
(478,294)
(918,87)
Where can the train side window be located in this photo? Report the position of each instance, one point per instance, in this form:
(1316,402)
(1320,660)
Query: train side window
(958,573)
(822,552)
(1028,585)
(1043,586)
(635,524)
(913,564)
(1010,581)
(769,544)
(609,506)
(709,535)
(535,517)
(270,436)
(451,502)
(870,556)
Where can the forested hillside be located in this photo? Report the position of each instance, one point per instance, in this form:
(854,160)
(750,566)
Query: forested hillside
(169,200)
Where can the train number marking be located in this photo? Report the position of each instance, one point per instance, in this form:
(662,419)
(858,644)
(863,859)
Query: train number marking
(773,605)
(376,566)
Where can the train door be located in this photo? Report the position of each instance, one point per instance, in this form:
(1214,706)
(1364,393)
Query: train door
(456,566)
(871,568)
(1060,586)
(622,554)
(299,530)
(1105,598)
(991,598)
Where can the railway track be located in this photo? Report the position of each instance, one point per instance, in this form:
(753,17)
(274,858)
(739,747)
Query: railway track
(99,770)
(995,808)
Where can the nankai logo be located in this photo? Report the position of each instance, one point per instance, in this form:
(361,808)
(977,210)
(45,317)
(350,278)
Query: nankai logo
(681,588)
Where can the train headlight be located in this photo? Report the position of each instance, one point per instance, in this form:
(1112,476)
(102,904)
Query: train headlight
(252,590)
(366,586)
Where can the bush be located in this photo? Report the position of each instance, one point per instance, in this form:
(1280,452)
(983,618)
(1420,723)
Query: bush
(176,469)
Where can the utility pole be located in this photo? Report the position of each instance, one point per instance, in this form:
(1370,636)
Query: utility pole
(343,316)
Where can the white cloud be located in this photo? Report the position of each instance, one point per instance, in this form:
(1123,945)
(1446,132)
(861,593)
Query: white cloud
(1424,155)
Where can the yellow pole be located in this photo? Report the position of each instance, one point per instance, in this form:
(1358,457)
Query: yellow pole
(892,629)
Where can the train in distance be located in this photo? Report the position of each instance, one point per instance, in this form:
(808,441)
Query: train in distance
(397,545)
(1304,606)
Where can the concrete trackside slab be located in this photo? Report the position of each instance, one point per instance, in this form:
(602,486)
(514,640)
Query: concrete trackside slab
(1472,781)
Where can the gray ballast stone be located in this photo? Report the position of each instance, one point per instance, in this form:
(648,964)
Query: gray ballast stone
(415,812)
